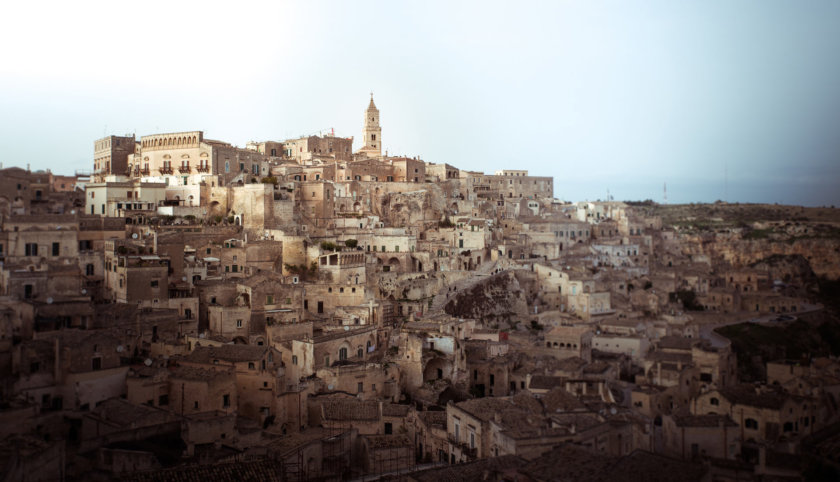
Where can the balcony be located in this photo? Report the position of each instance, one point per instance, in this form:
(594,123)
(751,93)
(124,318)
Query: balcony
(184,169)
(204,168)
(165,170)
(145,171)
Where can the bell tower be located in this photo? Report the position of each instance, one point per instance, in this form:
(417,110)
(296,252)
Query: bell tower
(372,133)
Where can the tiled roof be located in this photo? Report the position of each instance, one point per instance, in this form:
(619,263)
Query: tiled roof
(545,382)
(199,374)
(345,410)
(559,400)
(394,410)
(644,466)
(748,395)
(433,418)
(261,470)
(387,441)
(477,470)
(675,343)
(124,413)
(710,420)
(229,353)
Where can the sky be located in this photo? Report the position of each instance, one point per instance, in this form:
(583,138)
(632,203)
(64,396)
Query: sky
(715,100)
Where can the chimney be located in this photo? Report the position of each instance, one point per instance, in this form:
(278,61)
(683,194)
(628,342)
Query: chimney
(762,458)
(57,362)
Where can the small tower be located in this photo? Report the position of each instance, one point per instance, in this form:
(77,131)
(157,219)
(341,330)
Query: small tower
(372,133)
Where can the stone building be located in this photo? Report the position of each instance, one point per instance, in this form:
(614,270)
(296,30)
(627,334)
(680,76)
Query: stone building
(110,156)
(372,133)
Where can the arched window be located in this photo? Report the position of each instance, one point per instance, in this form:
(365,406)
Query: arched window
(714,401)
(360,352)
(342,353)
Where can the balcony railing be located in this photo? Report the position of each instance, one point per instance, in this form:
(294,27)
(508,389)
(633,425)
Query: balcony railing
(165,170)
(145,171)
(204,168)
(183,169)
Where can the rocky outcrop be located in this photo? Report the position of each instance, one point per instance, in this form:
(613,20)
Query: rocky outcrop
(499,298)
(822,254)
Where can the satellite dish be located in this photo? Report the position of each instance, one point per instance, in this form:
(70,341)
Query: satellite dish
(72,211)
(183,278)
(346,328)
(49,301)
(148,362)
(134,236)
(120,348)
(84,291)
(613,411)
(329,387)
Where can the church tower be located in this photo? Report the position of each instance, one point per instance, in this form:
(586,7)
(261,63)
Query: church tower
(372,133)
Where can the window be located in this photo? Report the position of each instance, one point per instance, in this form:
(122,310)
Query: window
(251,366)
(31,249)
(360,387)
(195,405)
(226,400)
(294,359)
(239,323)
(163,400)
(472,440)
(269,299)
(27,291)
(389,428)
(96,363)
(56,249)
(751,424)
(714,401)
(342,353)
(154,283)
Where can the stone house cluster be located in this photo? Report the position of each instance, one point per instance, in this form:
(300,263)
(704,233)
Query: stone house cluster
(302,308)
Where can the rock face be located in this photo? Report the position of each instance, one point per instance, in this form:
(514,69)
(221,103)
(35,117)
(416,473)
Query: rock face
(409,208)
(822,254)
(499,298)
(789,268)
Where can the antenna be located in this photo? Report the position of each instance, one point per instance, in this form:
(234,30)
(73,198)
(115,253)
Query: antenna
(725,181)
(665,193)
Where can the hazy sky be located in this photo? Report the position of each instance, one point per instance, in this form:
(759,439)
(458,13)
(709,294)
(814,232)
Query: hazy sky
(620,95)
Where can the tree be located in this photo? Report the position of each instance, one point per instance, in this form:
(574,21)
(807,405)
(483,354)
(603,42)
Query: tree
(351,243)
